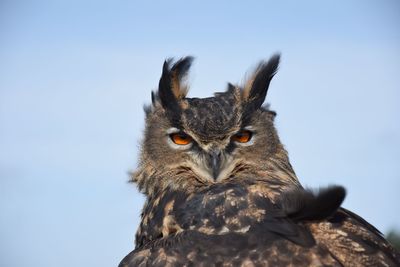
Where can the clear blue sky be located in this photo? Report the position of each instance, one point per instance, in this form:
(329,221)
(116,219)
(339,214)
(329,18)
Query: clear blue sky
(74,76)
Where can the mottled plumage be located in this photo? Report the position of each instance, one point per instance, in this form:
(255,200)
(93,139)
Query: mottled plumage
(220,190)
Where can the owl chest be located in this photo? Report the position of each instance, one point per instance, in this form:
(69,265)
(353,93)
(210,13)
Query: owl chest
(222,209)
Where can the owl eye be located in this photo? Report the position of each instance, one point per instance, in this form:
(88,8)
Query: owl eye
(243,136)
(181,138)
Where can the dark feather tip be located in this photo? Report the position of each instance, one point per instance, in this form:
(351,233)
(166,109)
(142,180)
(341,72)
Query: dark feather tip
(165,94)
(264,73)
(305,205)
(181,67)
(259,87)
(169,76)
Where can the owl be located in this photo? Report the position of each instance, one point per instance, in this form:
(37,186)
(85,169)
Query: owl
(220,189)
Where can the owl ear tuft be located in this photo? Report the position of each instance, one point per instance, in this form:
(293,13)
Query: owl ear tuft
(172,86)
(256,88)
(179,73)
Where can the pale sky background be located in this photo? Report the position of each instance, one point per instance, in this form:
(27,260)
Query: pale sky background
(74,76)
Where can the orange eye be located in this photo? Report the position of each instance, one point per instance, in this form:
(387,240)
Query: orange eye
(243,136)
(180,138)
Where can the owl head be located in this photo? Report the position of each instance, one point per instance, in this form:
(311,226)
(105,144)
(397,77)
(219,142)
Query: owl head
(194,142)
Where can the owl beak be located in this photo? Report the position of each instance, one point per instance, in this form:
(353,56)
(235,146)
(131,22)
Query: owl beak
(215,162)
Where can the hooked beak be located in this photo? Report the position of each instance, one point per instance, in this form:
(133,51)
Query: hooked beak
(215,163)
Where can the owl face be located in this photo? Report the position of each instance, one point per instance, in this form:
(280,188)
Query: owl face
(210,139)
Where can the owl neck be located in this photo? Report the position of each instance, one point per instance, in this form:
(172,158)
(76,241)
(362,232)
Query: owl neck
(279,167)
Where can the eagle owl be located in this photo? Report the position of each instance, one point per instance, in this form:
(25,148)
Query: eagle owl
(220,190)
